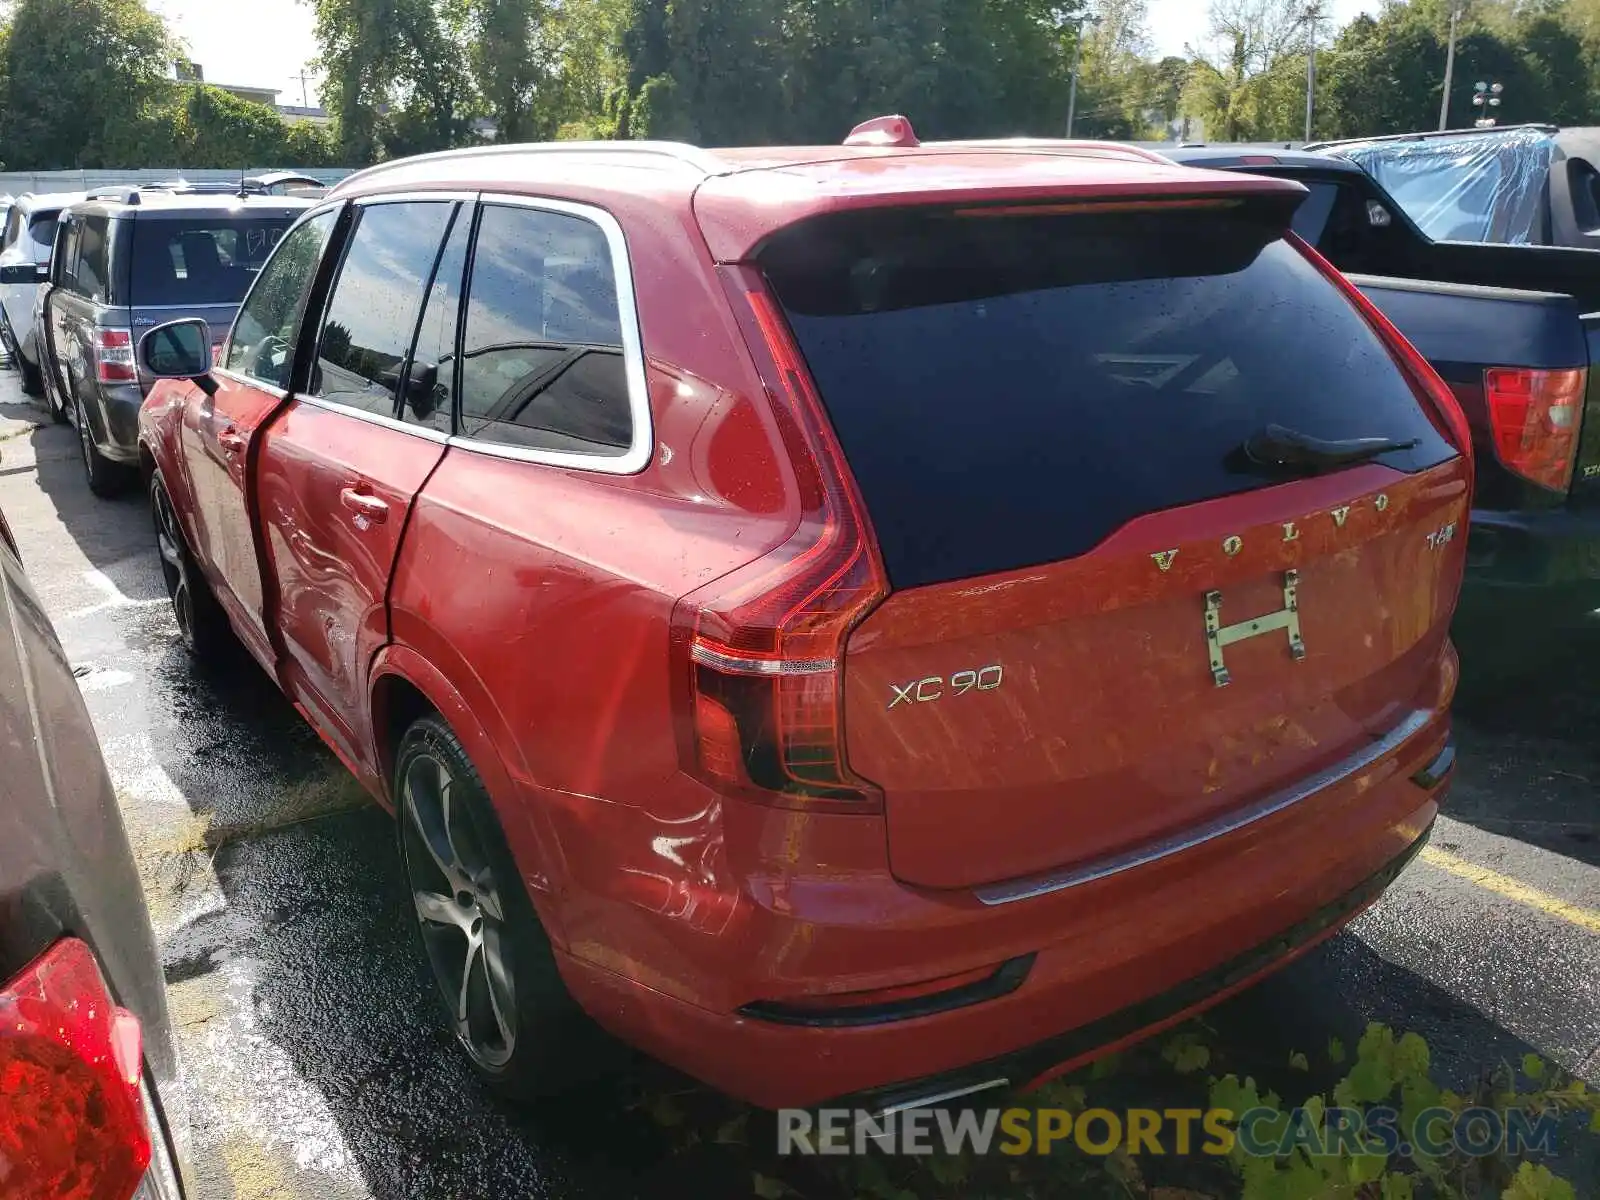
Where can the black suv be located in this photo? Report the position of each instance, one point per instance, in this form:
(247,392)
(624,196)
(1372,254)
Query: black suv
(125,261)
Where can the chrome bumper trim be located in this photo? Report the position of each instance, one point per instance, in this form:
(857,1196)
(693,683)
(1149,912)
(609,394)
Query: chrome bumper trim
(1057,881)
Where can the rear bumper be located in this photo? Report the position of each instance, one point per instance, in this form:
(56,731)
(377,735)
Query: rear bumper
(1139,1020)
(1533,565)
(115,422)
(1107,961)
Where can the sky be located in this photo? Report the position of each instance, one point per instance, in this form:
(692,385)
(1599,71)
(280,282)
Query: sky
(253,43)
(1175,22)
(266,43)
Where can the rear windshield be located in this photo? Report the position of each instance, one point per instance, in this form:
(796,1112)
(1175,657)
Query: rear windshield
(1010,390)
(43,231)
(198,261)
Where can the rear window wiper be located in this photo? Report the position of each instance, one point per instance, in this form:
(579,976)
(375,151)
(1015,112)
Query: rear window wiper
(1277,446)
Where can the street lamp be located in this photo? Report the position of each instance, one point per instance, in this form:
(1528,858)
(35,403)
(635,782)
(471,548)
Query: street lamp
(1486,98)
(1077,64)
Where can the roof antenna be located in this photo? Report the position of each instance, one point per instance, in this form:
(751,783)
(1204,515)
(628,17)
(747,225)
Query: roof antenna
(884,131)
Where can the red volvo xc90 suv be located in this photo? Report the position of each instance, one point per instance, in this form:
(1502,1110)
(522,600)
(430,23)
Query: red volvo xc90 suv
(855,622)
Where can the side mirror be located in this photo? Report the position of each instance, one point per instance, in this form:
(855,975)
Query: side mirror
(25,273)
(177,350)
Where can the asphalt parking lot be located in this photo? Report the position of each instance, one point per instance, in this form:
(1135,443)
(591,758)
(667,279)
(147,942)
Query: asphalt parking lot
(317,1065)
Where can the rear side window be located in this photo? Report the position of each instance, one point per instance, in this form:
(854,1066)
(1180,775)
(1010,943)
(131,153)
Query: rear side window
(200,260)
(542,365)
(92,272)
(377,298)
(1010,390)
(67,268)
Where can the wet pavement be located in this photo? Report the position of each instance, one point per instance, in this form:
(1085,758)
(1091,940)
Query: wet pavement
(318,1066)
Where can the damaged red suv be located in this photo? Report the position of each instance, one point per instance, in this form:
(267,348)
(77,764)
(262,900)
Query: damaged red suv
(868,622)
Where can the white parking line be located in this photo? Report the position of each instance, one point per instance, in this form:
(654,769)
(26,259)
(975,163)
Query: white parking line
(114,598)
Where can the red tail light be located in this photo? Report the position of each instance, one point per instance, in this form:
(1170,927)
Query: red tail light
(762,649)
(1535,416)
(72,1124)
(1431,390)
(113,356)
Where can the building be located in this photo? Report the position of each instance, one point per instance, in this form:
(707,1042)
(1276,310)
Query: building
(295,114)
(192,72)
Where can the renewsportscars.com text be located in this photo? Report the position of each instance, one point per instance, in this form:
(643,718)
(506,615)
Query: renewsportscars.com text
(1259,1132)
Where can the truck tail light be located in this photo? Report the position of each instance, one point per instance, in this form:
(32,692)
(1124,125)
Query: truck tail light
(113,356)
(72,1119)
(761,650)
(1535,416)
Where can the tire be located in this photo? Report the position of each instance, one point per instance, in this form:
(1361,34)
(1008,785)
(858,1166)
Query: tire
(8,339)
(201,621)
(503,996)
(107,479)
(32,376)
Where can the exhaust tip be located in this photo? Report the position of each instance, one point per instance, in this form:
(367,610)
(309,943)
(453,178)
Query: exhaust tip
(930,1098)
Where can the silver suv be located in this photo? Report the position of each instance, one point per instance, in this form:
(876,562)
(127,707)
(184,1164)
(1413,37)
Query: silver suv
(129,259)
(30,233)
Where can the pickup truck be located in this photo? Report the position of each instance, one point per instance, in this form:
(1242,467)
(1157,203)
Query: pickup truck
(1535,185)
(1514,331)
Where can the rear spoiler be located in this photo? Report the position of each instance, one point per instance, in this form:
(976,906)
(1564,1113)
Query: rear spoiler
(738,213)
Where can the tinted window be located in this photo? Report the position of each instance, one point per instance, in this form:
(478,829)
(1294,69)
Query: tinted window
(67,269)
(43,231)
(372,313)
(1011,390)
(93,272)
(262,344)
(200,260)
(430,383)
(13,228)
(542,362)
(1311,218)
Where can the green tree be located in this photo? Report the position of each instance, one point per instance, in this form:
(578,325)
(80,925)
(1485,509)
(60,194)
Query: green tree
(1248,80)
(515,60)
(1384,75)
(222,130)
(82,80)
(363,53)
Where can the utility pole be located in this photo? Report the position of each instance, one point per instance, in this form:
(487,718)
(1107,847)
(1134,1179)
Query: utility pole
(1313,15)
(1449,70)
(305,96)
(1077,65)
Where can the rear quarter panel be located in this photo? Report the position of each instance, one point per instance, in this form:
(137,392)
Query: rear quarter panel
(542,597)
(1463,329)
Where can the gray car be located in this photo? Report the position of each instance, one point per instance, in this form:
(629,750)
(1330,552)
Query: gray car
(83,1017)
(126,261)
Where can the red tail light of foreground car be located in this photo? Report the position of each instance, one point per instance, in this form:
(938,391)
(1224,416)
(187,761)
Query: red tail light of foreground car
(72,1121)
(767,644)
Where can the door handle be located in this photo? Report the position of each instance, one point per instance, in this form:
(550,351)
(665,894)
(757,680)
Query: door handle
(363,505)
(232,441)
